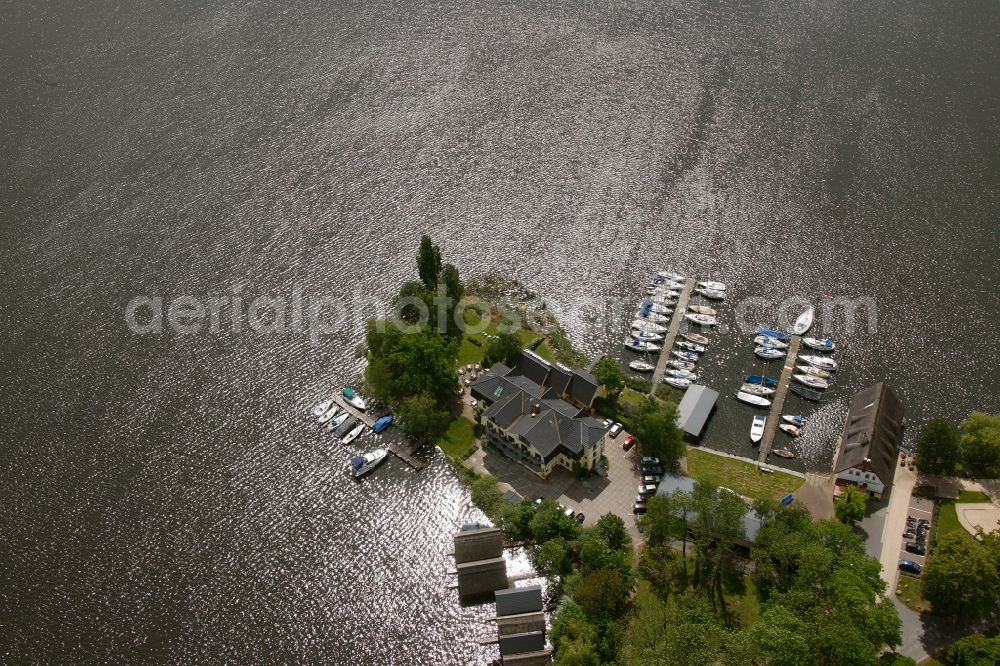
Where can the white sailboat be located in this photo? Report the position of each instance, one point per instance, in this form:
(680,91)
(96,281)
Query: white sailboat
(757,428)
(804,321)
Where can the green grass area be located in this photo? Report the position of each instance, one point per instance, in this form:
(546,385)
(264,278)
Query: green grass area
(474,344)
(910,592)
(741,476)
(947,517)
(459,440)
(972,497)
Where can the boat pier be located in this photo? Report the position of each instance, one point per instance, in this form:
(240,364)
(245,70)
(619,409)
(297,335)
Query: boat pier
(367,419)
(405,450)
(774,417)
(671,335)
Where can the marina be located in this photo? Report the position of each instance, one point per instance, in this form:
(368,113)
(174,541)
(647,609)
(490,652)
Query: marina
(671,334)
(778,401)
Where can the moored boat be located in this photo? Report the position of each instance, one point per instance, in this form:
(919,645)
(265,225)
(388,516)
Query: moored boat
(794,419)
(811,382)
(651,316)
(667,275)
(328,414)
(677,382)
(821,362)
(690,357)
(695,337)
(700,319)
(640,334)
(714,286)
(757,428)
(322,408)
(815,372)
(680,365)
(713,294)
(650,326)
(806,393)
(641,345)
(790,429)
(353,434)
(337,422)
(690,346)
(757,389)
(353,398)
(662,291)
(682,374)
(804,321)
(771,333)
(361,465)
(821,344)
(751,399)
(703,309)
(382,423)
(655,307)
(641,366)
(761,379)
(769,353)
(345,427)
(768,341)
(783,453)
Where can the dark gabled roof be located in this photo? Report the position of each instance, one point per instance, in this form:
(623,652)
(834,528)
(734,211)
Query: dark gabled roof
(871,432)
(497,369)
(525,384)
(541,431)
(578,433)
(559,378)
(507,411)
(561,406)
(532,366)
(583,386)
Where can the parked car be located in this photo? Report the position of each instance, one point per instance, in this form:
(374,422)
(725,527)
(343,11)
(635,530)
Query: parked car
(607,423)
(640,499)
(616,430)
(651,480)
(911,566)
(580,518)
(654,470)
(628,443)
(647,460)
(638,508)
(647,490)
(915,548)
(908,535)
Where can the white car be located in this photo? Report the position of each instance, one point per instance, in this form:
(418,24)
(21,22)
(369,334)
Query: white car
(616,430)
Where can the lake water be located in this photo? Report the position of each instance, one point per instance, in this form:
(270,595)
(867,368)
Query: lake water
(166,496)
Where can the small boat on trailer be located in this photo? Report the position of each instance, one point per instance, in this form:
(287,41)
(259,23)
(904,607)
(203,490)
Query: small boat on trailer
(751,399)
(783,453)
(820,344)
(815,372)
(804,321)
(361,465)
(703,309)
(761,379)
(789,429)
(806,393)
(822,362)
(696,338)
(757,428)
(641,366)
(769,353)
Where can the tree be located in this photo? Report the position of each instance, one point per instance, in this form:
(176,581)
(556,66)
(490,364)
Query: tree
(486,494)
(612,529)
(981,445)
(974,650)
(574,637)
(655,426)
(515,519)
(609,375)
(408,302)
(851,505)
(938,449)
(778,638)
(420,416)
(550,522)
(502,349)
(453,287)
(896,659)
(552,559)
(960,578)
(603,594)
(428,263)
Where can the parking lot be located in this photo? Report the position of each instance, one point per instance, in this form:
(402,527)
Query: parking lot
(919,509)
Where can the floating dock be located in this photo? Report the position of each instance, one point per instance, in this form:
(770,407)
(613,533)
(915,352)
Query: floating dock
(405,450)
(774,417)
(671,335)
(367,419)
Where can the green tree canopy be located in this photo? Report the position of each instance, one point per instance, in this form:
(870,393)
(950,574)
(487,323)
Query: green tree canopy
(655,426)
(550,522)
(574,637)
(428,263)
(603,594)
(552,558)
(851,505)
(486,494)
(981,445)
(515,519)
(938,449)
(609,375)
(420,416)
(960,577)
(502,349)
(974,650)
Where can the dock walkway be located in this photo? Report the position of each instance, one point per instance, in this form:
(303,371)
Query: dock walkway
(668,339)
(405,450)
(774,417)
(352,410)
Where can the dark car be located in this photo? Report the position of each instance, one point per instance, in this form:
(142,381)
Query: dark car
(908,535)
(628,443)
(915,548)
(638,508)
(651,480)
(911,566)
(652,470)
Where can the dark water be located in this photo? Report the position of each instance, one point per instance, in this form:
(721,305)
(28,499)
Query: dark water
(166,498)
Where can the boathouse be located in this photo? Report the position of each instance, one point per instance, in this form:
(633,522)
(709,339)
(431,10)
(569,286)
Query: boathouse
(694,409)
(869,450)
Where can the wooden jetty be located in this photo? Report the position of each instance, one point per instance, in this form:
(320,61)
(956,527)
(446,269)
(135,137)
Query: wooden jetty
(367,419)
(671,335)
(774,418)
(405,450)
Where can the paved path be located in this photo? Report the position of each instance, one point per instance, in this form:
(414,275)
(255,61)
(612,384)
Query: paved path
(895,525)
(774,418)
(668,339)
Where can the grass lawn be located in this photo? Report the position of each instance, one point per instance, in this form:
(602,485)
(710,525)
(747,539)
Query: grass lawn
(947,518)
(470,352)
(739,475)
(910,592)
(458,441)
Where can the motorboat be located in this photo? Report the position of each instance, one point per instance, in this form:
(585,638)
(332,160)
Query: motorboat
(352,397)
(328,414)
(690,346)
(651,316)
(700,319)
(682,374)
(336,423)
(757,428)
(789,429)
(815,372)
(640,334)
(822,362)
(642,366)
(714,286)
(677,382)
(821,344)
(771,333)
(757,389)
(690,357)
(322,408)
(641,345)
(667,275)
(345,427)
(655,307)
(760,379)
(696,338)
(804,321)
(751,399)
(811,382)
(794,419)
(650,326)
(806,393)
(669,301)
(662,291)
(353,434)
(768,341)
(382,423)
(361,465)
(769,353)
(713,294)
(680,365)
(703,309)
(783,453)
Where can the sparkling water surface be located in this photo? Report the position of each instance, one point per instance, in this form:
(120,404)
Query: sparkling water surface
(167,497)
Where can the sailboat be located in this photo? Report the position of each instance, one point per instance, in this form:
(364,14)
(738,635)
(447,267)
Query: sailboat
(700,319)
(769,353)
(820,344)
(755,400)
(819,362)
(757,389)
(703,309)
(804,321)
(641,366)
(815,372)
(696,338)
(677,382)
(757,428)
(768,341)
(811,382)
(790,429)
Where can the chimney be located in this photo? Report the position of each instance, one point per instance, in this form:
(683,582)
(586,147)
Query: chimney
(535,409)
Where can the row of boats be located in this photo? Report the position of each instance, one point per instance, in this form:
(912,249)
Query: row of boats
(346,427)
